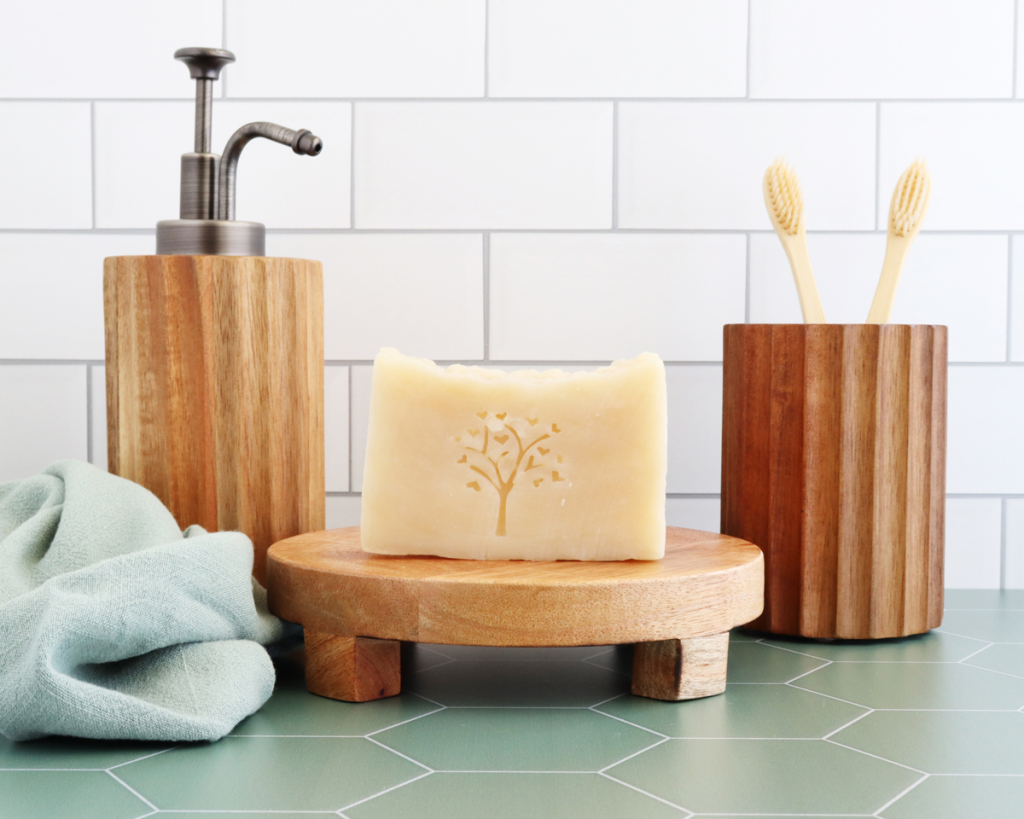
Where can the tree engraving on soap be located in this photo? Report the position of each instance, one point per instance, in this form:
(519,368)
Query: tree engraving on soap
(493,452)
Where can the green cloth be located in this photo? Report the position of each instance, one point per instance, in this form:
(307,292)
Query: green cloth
(116,625)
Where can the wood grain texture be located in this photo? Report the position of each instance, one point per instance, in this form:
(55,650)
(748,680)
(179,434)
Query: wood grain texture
(353,669)
(833,462)
(681,669)
(706,584)
(215,389)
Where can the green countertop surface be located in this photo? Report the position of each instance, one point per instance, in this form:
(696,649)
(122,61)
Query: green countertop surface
(926,727)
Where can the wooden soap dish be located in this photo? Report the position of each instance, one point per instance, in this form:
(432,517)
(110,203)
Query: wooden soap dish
(356,607)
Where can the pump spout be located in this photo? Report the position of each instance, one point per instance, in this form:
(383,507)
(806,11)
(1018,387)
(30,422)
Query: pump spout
(301,142)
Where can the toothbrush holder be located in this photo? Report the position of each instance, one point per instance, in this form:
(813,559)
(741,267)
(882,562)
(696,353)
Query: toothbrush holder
(834,463)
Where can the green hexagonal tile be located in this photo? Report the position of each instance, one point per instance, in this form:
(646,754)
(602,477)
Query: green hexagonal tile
(957,797)
(508,682)
(277,774)
(741,635)
(511,796)
(82,794)
(942,742)
(742,711)
(760,663)
(984,599)
(917,685)
(293,711)
(71,752)
(933,647)
(1009,659)
(517,739)
(764,776)
(997,626)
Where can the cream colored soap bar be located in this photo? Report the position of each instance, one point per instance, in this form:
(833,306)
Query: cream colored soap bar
(476,463)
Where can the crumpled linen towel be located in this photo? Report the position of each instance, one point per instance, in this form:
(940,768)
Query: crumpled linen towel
(116,625)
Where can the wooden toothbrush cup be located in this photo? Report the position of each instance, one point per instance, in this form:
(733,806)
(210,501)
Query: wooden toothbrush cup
(215,390)
(834,463)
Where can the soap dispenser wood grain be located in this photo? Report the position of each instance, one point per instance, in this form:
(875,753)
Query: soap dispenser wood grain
(214,353)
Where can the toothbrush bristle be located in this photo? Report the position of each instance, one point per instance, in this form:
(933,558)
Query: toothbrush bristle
(910,199)
(787,201)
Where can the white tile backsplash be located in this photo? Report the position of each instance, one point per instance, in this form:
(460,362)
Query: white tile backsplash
(336,428)
(357,48)
(973,152)
(103,48)
(421,293)
(139,144)
(986,436)
(1014,543)
(617,48)
(343,510)
(362,376)
(940,272)
(694,429)
(46,178)
(694,513)
(806,49)
(98,416)
(668,294)
(483,165)
(608,153)
(1017,300)
(42,417)
(973,543)
(52,292)
(699,165)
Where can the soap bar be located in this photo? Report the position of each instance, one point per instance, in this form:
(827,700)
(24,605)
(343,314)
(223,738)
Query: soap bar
(469,462)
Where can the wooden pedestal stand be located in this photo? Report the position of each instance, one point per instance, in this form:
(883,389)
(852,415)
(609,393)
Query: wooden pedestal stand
(215,389)
(356,607)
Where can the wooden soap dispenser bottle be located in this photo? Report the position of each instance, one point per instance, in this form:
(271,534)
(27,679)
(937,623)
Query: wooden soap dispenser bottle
(214,353)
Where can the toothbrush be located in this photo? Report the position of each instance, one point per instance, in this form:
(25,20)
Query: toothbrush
(785,205)
(909,203)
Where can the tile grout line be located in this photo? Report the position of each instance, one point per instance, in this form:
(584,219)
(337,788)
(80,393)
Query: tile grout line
(387,790)
(661,741)
(411,719)
(899,796)
(851,722)
(397,753)
(132,790)
(593,709)
(645,793)
(873,756)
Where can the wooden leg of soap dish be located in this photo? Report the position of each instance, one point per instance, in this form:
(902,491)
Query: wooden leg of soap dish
(681,669)
(354,669)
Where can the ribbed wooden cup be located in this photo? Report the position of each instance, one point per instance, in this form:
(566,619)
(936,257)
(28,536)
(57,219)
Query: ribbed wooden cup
(834,462)
(215,389)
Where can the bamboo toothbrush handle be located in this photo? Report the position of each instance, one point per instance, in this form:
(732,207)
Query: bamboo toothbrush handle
(806,289)
(895,252)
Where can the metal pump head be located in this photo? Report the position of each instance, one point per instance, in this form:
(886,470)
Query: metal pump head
(206,223)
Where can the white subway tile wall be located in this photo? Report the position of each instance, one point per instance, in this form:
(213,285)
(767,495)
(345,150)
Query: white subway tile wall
(535,183)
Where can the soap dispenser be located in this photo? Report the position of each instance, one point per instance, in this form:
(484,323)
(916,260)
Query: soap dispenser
(214,352)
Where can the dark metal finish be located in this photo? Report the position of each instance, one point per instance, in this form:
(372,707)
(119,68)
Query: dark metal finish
(210,237)
(207,205)
(301,142)
(204,63)
(198,186)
